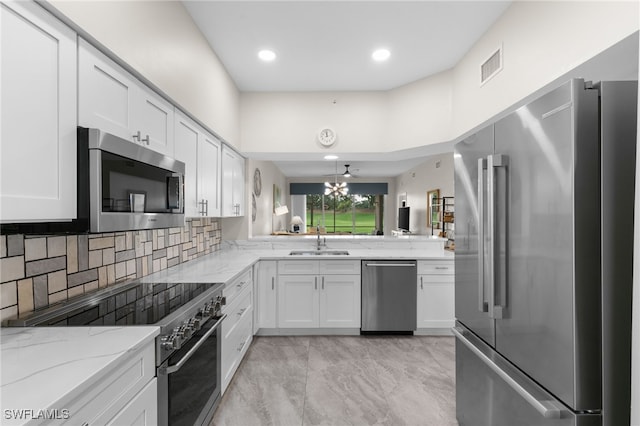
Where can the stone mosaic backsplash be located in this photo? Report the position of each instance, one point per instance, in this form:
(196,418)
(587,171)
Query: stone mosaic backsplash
(37,271)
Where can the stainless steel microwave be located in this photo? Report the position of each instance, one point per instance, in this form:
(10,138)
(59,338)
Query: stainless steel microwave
(123,186)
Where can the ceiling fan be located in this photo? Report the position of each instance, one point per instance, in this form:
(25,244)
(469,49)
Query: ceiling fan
(336,188)
(346,174)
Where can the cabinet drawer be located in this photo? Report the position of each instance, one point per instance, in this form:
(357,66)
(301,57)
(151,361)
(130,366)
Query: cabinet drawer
(240,308)
(236,286)
(436,267)
(109,396)
(298,267)
(340,267)
(235,345)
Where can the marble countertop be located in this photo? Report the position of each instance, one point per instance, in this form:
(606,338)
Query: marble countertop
(225,265)
(41,365)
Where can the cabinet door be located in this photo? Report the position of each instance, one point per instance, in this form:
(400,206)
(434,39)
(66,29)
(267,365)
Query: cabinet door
(232,183)
(266,282)
(298,301)
(38,115)
(238,186)
(106,93)
(340,301)
(436,301)
(141,410)
(153,117)
(186,150)
(209,157)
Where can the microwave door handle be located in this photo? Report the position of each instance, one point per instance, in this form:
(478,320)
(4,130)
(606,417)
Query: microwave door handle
(482,304)
(179,364)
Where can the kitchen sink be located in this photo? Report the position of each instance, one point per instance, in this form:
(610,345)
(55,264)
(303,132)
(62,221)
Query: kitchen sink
(319,253)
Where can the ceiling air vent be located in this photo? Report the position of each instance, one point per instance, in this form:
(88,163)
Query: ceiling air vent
(491,66)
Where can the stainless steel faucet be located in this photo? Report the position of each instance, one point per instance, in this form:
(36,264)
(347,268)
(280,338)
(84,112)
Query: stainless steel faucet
(319,244)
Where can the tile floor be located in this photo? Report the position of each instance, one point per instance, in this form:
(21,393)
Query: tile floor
(343,380)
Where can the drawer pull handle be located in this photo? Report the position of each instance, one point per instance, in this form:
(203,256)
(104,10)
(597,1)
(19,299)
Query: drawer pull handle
(242,345)
(442,267)
(273,285)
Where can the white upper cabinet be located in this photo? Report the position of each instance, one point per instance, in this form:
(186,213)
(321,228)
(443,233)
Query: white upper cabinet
(186,150)
(112,100)
(209,159)
(233,183)
(38,115)
(201,153)
(153,118)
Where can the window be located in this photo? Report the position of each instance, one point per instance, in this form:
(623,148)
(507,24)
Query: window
(345,214)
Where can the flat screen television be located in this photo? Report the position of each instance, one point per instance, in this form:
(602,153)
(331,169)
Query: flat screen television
(403,218)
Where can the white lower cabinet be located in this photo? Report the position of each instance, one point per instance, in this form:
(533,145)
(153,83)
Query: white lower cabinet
(141,410)
(125,396)
(436,294)
(298,301)
(237,328)
(266,313)
(324,297)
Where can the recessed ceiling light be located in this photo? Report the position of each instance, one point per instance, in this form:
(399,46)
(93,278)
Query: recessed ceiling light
(380,55)
(330,157)
(267,55)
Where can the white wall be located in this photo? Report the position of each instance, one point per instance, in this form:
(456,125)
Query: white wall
(264,203)
(422,178)
(289,122)
(542,40)
(420,113)
(161,42)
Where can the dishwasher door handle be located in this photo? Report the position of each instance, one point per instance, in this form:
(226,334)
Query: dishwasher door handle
(398,265)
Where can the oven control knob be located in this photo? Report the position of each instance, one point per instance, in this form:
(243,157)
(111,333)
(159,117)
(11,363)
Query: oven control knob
(208,310)
(194,324)
(171,342)
(184,331)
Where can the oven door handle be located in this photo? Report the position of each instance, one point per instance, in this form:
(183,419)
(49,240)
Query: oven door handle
(179,364)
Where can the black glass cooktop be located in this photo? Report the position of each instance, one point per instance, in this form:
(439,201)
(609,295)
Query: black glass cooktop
(133,304)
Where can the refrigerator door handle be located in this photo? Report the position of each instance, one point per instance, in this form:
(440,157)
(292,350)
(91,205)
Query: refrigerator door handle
(493,162)
(483,306)
(549,409)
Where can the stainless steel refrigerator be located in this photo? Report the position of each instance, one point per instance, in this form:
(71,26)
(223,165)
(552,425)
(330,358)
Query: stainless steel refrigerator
(544,244)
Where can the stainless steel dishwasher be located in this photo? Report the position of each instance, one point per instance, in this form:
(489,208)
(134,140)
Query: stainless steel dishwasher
(389,292)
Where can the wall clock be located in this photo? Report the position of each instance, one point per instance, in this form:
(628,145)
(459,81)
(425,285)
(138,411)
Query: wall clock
(257,182)
(327,136)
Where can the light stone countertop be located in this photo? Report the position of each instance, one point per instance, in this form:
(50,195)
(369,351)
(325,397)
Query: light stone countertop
(229,263)
(41,366)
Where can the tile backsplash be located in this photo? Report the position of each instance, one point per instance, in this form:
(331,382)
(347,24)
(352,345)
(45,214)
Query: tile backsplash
(37,271)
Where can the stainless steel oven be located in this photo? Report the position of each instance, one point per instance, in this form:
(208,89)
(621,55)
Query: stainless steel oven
(189,381)
(188,352)
(124,186)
